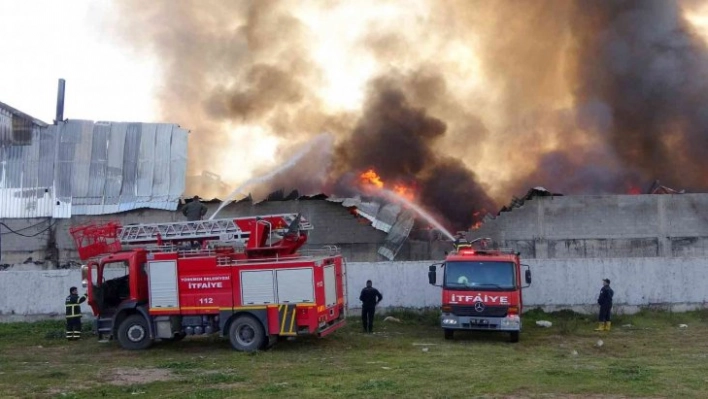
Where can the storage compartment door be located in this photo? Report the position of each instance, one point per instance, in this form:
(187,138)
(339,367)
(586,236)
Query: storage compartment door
(162,280)
(257,287)
(330,286)
(295,286)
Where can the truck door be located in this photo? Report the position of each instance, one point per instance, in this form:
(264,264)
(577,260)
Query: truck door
(162,284)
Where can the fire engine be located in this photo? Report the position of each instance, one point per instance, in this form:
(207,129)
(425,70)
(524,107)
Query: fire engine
(481,290)
(242,278)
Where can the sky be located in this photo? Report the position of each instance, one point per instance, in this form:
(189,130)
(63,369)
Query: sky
(63,39)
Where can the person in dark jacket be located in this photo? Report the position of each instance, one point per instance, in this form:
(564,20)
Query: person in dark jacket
(194,210)
(605,302)
(73,314)
(370,297)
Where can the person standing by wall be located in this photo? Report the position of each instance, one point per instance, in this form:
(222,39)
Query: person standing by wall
(73,314)
(605,302)
(194,210)
(370,297)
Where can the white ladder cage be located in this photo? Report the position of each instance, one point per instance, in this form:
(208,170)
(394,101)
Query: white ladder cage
(223,230)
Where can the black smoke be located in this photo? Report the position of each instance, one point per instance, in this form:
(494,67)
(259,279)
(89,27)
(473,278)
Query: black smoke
(399,141)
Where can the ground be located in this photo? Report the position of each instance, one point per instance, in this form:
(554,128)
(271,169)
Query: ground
(647,355)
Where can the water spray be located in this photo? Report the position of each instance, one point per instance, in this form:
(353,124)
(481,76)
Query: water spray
(321,141)
(417,209)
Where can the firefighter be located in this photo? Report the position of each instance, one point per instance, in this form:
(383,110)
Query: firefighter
(194,210)
(370,297)
(461,241)
(73,314)
(605,302)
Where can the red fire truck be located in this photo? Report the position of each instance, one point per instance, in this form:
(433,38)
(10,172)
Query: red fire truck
(481,290)
(242,278)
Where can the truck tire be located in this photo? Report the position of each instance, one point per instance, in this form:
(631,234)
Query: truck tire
(514,337)
(449,334)
(133,333)
(246,334)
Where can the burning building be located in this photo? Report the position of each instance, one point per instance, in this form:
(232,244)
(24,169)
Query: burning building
(469,104)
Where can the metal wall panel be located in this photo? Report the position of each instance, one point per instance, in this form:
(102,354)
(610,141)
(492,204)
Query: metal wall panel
(81,166)
(86,168)
(146,162)
(178,163)
(161,176)
(114,164)
(130,163)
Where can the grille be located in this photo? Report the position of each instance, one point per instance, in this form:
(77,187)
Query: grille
(489,311)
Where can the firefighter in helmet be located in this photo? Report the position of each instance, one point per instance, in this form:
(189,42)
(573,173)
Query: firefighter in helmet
(461,241)
(73,314)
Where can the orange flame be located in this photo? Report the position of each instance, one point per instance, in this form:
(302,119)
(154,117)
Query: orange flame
(475,216)
(404,191)
(371,177)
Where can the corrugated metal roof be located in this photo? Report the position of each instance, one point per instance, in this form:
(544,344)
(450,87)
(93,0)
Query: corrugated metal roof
(84,168)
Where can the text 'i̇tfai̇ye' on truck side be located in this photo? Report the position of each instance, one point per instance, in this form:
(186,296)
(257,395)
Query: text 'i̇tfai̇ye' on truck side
(481,289)
(242,278)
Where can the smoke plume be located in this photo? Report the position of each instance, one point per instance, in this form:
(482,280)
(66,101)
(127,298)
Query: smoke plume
(469,102)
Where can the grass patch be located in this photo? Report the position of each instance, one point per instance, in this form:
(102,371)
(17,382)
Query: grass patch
(410,358)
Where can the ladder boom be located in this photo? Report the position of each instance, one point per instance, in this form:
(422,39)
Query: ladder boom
(225,230)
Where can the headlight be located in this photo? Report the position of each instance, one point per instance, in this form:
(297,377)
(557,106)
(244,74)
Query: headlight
(449,321)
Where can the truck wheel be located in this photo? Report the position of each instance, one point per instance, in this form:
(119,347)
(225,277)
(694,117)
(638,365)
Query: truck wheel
(246,334)
(449,333)
(514,336)
(133,333)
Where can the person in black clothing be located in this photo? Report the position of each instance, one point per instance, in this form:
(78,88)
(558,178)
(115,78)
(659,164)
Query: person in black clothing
(605,302)
(370,297)
(73,314)
(194,210)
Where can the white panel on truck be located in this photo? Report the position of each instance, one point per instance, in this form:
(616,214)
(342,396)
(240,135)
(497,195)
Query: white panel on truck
(257,287)
(295,285)
(330,286)
(162,281)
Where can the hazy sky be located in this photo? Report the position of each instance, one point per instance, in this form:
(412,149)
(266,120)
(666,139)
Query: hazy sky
(44,40)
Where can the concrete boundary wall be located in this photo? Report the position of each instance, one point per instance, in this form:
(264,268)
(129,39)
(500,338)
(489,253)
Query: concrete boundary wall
(675,283)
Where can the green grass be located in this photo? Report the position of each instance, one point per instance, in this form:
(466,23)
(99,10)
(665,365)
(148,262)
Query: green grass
(651,358)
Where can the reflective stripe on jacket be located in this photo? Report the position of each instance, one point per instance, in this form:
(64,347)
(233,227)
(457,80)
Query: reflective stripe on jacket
(73,305)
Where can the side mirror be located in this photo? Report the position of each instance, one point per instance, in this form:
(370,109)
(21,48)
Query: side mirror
(528,276)
(432,275)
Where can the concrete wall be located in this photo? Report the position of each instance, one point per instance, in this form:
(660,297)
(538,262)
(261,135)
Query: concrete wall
(603,226)
(557,284)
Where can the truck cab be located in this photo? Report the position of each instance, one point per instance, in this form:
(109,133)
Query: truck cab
(481,290)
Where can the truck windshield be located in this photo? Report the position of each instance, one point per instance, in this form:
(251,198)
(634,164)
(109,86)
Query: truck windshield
(480,275)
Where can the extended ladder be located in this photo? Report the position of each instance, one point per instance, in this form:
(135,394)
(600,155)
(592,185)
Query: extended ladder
(224,230)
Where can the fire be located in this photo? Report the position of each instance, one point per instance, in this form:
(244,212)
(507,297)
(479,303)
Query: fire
(371,177)
(476,216)
(404,191)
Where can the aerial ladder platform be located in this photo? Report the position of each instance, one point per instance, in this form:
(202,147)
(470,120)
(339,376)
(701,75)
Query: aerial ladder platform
(98,239)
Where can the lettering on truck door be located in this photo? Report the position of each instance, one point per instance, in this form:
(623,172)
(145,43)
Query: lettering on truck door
(210,291)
